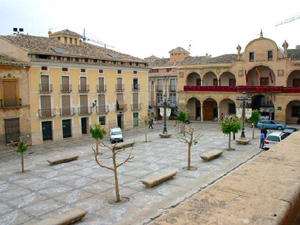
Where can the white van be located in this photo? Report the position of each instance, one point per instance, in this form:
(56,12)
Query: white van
(115,134)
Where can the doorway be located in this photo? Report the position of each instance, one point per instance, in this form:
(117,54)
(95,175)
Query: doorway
(12,130)
(47,130)
(66,128)
(84,125)
(120,121)
(135,119)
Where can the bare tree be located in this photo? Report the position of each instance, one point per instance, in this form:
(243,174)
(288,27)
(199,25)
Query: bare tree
(145,121)
(190,140)
(115,151)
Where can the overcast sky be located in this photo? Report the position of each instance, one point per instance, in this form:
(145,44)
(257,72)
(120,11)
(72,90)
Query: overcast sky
(143,28)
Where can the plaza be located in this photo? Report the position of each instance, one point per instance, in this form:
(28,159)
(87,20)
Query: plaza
(46,190)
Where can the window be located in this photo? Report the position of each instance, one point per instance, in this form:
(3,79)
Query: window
(77,59)
(75,41)
(251,56)
(65,40)
(65,69)
(295,111)
(58,58)
(134,72)
(154,71)
(169,69)
(82,70)
(173,98)
(70,40)
(44,68)
(102,120)
(135,83)
(58,38)
(101,71)
(270,55)
(119,71)
(86,60)
(159,98)
(103,61)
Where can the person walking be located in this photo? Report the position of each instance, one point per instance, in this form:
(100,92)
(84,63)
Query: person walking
(151,124)
(262,140)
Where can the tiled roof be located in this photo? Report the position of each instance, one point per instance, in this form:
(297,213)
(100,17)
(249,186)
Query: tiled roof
(198,60)
(151,58)
(179,50)
(5,60)
(294,54)
(162,63)
(66,33)
(45,45)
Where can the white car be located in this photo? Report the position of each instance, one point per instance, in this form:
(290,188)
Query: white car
(115,134)
(273,138)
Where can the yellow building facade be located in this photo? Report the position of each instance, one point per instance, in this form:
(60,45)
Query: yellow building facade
(73,85)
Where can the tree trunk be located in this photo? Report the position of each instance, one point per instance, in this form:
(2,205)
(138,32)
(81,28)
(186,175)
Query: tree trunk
(118,199)
(146,133)
(229,141)
(22,161)
(97,143)
(189,157)
(253,130)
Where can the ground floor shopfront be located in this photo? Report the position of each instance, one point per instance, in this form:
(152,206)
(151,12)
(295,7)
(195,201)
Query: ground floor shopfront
(205,106)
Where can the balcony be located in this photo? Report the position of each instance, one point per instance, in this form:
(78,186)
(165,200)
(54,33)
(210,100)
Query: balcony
(135,87)
(260,88)
(119,87)
(159,104)
(46,113)
(172,104)
(45,88)
(136,106)
(291,90)
(67,112)
(83,88)
(101,88)
(101,109)
(172,88)
(10,103)
(85,110)
(159,88)
(211,88)
(66,88)
(121,108)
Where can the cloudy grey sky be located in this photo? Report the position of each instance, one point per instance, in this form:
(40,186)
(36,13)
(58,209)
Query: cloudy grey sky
(142,28)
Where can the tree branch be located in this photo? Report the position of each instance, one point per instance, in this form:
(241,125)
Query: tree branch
(98,162)
(128,158)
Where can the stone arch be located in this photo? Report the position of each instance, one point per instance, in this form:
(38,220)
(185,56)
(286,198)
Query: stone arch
(227,79)
(193,79)
(227,106)
(293,79)
(267,74)
(264,104)
(194,109)
(210,79)
(210,109)
(292,112)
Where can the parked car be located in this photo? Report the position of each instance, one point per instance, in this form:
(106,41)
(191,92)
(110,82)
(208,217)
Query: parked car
(115,134)
(271,124)
(290,130)
(273,138)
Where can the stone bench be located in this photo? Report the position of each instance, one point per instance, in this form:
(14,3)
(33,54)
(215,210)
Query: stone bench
(125,145)
(159,178)
(207,156)
(165,135)
(62,159)
(242,141)
(69,217)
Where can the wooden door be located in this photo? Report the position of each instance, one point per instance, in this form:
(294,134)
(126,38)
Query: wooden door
(84,122)
(208,110)
(83,86)
(83,103)
(45,83)
(66,107)
(45,106)
(66,127)
(65,84)
(47,130)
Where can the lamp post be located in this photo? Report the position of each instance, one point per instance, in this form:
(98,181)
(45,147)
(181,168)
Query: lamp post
(242,100)
(165,114)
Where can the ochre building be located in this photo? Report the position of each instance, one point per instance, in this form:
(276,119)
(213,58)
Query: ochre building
(73,85)
(209,86)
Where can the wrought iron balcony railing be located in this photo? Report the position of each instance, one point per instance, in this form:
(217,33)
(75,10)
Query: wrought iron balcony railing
(102,109)
(11,103)
(85,110)
(136,106)
(46,113)
(101,88)
(66,88)
(83,88)
(120,87)
(67,111)
(135,87)
(46,88)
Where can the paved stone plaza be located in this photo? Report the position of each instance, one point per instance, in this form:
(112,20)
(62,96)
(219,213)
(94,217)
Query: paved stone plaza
(46,190)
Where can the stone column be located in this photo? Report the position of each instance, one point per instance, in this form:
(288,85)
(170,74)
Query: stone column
(201,112)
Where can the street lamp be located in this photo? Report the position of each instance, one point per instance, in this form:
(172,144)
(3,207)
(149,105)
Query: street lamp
(242,100)
(165,114)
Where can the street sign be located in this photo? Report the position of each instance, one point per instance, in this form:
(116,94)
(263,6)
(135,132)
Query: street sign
(161,112)
(248,112)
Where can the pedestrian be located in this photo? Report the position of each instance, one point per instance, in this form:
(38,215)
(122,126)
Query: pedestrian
(262,140)
(264,130)
(151,124)
(222,116)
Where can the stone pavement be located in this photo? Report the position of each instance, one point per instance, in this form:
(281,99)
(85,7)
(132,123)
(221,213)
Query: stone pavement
(46,190)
